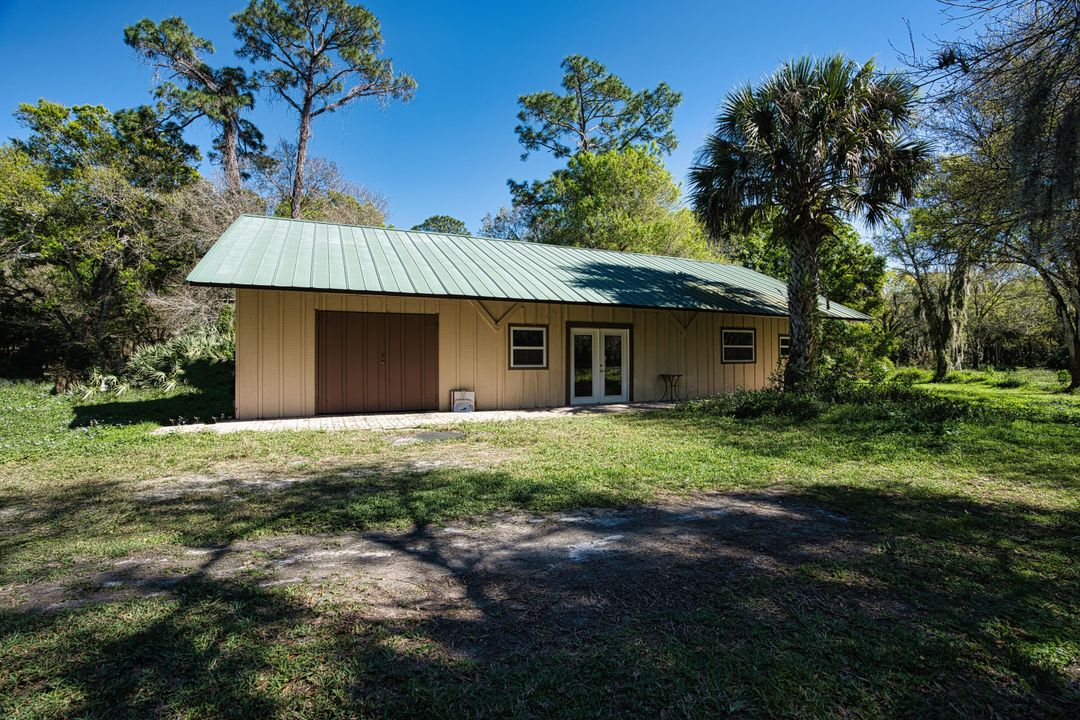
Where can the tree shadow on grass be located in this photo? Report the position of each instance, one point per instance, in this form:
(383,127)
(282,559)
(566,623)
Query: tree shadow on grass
(205,395)
(891,603)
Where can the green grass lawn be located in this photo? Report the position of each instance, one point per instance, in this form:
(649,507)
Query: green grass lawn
(1025,389)
(963,599)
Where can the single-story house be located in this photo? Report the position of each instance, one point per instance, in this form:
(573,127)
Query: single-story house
(344,319)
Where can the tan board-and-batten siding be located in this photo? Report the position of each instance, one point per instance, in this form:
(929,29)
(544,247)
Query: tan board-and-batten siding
(275,349)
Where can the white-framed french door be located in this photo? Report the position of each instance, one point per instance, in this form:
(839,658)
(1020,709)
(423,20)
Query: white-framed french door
(599,365)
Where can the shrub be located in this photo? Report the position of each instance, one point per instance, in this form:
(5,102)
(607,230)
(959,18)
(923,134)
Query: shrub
(910,376)
(859,402)
(879,370)
(880,407)
(964,377)
(893,399)
(746,404)
(1011,379)
(162,365)
(1064,377)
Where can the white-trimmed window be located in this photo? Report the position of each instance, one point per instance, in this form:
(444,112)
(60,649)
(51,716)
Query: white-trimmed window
(785,346)
(738,345)
(528,346)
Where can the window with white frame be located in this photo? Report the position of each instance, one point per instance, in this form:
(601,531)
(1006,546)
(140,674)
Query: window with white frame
(738,346)
(528,346)
(785,345)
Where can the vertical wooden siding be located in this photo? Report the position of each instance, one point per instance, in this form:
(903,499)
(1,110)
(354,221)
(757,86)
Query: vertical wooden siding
(275,349)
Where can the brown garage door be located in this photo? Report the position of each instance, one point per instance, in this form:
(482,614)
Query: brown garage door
(376,362)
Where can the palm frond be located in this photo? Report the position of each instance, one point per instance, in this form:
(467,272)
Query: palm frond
(162,365)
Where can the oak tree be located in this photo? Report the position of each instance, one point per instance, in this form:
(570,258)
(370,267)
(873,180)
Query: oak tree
(1012,91)
(615,200)
(80,247)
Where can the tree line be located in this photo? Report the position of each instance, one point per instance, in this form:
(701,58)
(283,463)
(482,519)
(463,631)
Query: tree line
(103,212)
(963,165)
(996,221)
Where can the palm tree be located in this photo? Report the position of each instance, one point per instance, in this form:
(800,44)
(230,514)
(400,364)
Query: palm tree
(819,142)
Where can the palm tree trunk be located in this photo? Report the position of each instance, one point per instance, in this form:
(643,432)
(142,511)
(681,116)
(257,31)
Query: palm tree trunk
(803,282)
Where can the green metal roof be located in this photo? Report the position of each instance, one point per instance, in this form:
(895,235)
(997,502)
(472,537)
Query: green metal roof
(285,254)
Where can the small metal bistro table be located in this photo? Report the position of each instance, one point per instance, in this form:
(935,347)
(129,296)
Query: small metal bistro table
(671,387)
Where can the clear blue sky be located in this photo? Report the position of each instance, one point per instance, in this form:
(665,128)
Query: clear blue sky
(452,148)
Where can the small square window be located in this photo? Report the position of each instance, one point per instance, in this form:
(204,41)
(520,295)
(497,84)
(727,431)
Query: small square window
(528,346)
(785,346)
(737,346)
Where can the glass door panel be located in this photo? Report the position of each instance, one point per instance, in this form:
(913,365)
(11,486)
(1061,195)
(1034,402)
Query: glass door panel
(613,365)
(582,365)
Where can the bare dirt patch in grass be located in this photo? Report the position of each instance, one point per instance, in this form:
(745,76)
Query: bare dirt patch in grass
(481,583)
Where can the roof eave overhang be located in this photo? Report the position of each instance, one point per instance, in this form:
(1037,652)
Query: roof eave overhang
(687,308)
